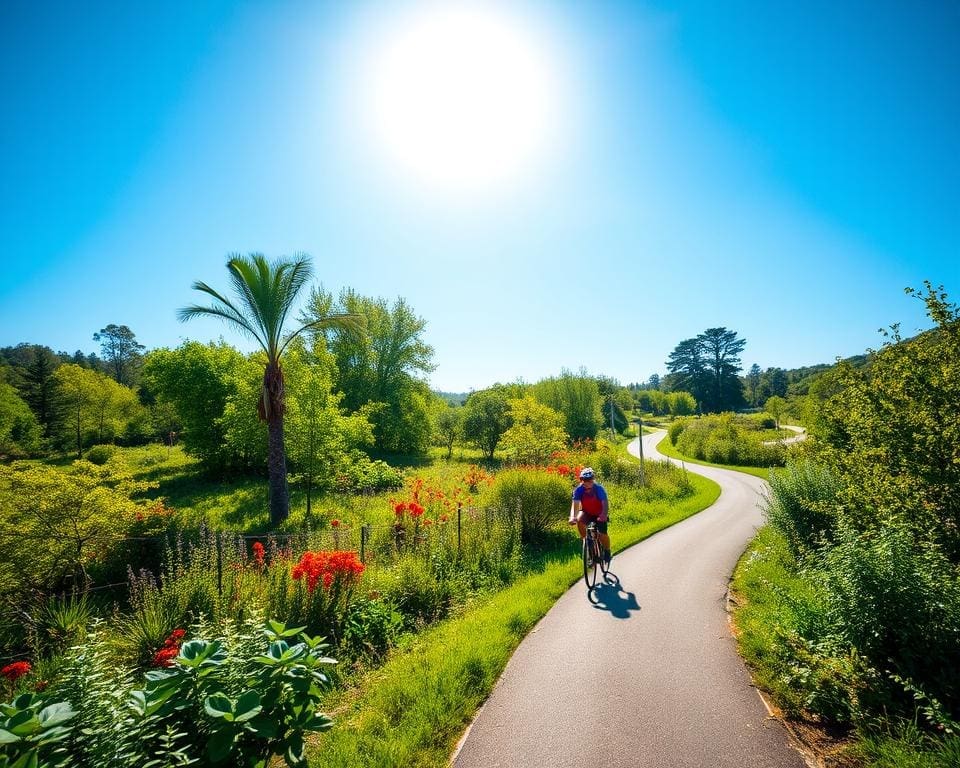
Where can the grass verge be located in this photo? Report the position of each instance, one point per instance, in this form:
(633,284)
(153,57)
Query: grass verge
(413,709)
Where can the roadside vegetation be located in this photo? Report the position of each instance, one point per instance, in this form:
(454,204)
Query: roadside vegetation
(851,596)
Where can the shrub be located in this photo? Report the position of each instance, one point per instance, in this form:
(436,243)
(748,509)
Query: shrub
(897,601)
(676,429)
(101,454)
(542,499)
(801,506)
(370,627)
(238,699)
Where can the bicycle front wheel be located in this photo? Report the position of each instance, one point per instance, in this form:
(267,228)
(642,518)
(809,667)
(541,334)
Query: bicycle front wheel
(590,564)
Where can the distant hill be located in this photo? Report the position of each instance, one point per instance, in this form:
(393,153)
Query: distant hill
(454,398)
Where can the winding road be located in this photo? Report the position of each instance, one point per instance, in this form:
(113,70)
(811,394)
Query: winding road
(648,676)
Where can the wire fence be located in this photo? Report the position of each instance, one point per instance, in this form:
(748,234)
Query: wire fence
(467,533)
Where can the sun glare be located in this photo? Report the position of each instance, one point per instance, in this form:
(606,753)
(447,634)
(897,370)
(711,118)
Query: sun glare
(460,96)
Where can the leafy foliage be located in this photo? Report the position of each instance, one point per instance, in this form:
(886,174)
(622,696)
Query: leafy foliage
(248,694)
(381,363)
(70,519)
(19,429)
(535,432)
(486,417)
(542,499)
(726,439)
(707,366)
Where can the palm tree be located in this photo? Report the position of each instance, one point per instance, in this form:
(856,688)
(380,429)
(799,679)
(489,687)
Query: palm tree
(265,294)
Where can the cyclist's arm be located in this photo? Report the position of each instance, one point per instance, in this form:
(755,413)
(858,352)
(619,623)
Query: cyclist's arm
(575,507)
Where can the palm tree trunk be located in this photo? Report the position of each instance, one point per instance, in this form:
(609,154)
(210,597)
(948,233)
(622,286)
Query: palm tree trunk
(277,471)
(276,453)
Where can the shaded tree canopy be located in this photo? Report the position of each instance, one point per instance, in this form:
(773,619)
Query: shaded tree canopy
(707,366)
(122,353)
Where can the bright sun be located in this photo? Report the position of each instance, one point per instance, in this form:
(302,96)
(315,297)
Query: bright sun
(460,96)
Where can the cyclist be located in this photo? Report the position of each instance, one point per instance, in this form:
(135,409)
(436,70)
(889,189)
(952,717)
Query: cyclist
(590,505)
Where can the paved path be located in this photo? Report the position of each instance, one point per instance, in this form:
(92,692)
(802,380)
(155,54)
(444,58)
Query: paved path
(649,677)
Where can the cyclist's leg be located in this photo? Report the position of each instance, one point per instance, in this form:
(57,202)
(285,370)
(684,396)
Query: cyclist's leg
(582,520)
(604,538)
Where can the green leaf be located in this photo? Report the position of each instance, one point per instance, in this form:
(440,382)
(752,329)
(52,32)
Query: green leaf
(248,706)
(23,723)
(295,755)
(8,738)
(264,727)
(220,745)
(27,760)
(319,723)
(55,714)
(219,706)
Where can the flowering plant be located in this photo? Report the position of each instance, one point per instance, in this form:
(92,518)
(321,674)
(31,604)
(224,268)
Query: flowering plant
(15,670)
(170,650)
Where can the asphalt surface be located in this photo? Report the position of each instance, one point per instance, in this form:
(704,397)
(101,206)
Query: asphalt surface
(648,676)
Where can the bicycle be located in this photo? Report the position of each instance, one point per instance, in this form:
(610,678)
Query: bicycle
(593,557)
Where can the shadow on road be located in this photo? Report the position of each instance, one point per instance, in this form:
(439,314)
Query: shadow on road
(612,597)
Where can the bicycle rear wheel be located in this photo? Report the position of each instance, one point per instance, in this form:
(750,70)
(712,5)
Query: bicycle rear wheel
(590,564)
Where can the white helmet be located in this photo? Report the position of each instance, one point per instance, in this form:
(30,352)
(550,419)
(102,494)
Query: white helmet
(586,473)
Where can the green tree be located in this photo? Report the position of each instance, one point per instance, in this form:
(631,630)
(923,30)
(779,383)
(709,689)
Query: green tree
(38,387)
(681,404)
(891,429)
(19,430)
(687,371)
(535,433)
(776,407)
(198,380)
(122,353)
(448,426)
(707,367)
(486,416)
(321,438)
(383,361)
(753,385)
(577,397)
(77,514)
(265,293)
(82,390)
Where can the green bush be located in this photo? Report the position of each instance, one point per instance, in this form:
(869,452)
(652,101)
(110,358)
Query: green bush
(541,498)
(238,699)
(366,476)
(801,506)
(728,439)
(897,601)
(676,429)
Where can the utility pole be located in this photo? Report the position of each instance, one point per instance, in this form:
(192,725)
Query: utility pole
(643,476)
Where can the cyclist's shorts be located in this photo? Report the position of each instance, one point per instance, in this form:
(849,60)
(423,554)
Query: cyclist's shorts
(587,519)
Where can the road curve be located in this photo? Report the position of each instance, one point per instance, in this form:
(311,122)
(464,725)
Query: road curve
(649,677)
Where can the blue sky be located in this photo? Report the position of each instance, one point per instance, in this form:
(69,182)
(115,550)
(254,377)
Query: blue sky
(781,169)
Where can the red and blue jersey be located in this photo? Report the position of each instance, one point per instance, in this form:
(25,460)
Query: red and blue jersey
(591,499)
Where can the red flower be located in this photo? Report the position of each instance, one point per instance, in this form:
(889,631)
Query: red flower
(399,508)
(444,518)
(258,553)
(170,650)
(165,656)
(334,523)
(15,670)
(415,509)
(328,567)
